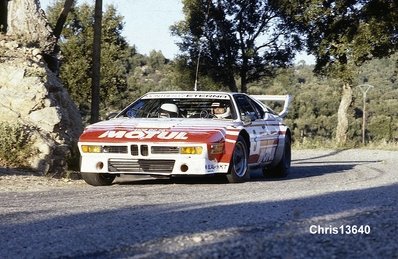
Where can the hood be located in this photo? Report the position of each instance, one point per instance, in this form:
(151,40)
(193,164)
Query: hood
(158,130)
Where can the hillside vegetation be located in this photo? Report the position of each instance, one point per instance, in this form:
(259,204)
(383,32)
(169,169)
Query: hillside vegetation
(313,113)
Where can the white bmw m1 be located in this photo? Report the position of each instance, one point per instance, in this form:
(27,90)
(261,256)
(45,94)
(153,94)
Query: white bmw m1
(188,134)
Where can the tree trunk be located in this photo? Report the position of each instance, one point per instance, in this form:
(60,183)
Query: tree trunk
(232,84)
(3,15)
(243,73)
(342,115)
(62,18)
(243,81)
(96,67)
(27,21)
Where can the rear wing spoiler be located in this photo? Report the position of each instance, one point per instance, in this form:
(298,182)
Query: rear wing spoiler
(286,99)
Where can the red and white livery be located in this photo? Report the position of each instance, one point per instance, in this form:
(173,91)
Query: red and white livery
(188,133)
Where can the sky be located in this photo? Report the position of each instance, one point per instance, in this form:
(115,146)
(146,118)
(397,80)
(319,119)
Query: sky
(147,24)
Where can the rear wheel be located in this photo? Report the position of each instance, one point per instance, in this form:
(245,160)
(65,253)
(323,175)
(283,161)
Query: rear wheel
(98,179)
(238,167)
(282,169)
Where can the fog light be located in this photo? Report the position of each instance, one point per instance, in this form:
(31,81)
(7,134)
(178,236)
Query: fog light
(195,150)
(91,149)
(99,166)
(184,168)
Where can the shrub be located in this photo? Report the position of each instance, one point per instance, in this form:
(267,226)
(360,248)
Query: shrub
(16,145)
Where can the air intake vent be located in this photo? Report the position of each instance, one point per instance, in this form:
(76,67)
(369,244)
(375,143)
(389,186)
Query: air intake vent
(141,166)
(144,150)
(134,150)
(164,150)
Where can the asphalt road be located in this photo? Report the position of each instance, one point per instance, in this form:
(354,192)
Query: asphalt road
(334,204)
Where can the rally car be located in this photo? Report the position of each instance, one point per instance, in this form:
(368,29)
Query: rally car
(188,134)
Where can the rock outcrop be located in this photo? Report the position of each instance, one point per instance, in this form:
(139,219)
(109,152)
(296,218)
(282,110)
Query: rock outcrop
(33,96)
(27,21)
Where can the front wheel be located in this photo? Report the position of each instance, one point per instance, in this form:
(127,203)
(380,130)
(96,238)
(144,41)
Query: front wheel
(98,179)
(238,168)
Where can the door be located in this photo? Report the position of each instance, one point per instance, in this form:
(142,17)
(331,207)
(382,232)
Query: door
(263,130)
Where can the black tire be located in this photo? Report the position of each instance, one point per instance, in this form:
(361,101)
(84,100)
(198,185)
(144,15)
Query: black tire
(98,179)
(282,169)
(238,171)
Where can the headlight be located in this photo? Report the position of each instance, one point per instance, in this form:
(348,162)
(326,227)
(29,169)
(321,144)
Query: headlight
(91,149)
(191,150)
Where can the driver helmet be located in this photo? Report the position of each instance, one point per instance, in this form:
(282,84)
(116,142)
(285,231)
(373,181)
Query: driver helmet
(169,110)
(221,110)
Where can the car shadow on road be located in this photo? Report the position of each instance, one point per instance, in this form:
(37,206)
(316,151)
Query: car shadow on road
(138,180)
(303,168)
(298,170)
(331,153)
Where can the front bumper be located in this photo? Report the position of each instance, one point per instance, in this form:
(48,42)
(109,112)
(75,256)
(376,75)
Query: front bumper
(150,159)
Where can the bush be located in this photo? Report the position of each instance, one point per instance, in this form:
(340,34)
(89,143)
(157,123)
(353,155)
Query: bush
(16,146)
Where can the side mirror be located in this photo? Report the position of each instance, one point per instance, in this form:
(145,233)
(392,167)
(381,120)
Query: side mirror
(247,120)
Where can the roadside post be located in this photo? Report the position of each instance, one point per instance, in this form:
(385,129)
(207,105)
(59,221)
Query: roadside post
(364,89)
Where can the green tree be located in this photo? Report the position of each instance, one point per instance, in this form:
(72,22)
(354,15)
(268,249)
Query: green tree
(342,35)
(382,100)
(234,39)
(76,61)
(153,73)
(156,59)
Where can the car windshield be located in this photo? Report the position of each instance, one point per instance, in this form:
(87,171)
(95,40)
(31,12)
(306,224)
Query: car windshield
(181,108)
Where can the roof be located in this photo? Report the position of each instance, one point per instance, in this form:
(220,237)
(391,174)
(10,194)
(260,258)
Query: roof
(188,94)
(191,92)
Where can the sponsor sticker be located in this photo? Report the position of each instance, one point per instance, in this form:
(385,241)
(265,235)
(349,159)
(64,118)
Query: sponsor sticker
(216,167)
(143,134)
(187,95)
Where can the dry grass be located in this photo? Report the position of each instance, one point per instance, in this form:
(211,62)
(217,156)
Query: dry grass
(331,144)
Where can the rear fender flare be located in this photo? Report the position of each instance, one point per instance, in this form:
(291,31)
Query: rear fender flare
(280,148)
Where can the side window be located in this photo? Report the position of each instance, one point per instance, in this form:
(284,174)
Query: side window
(142,108)
(133,110)
(259,109)
(245,108)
